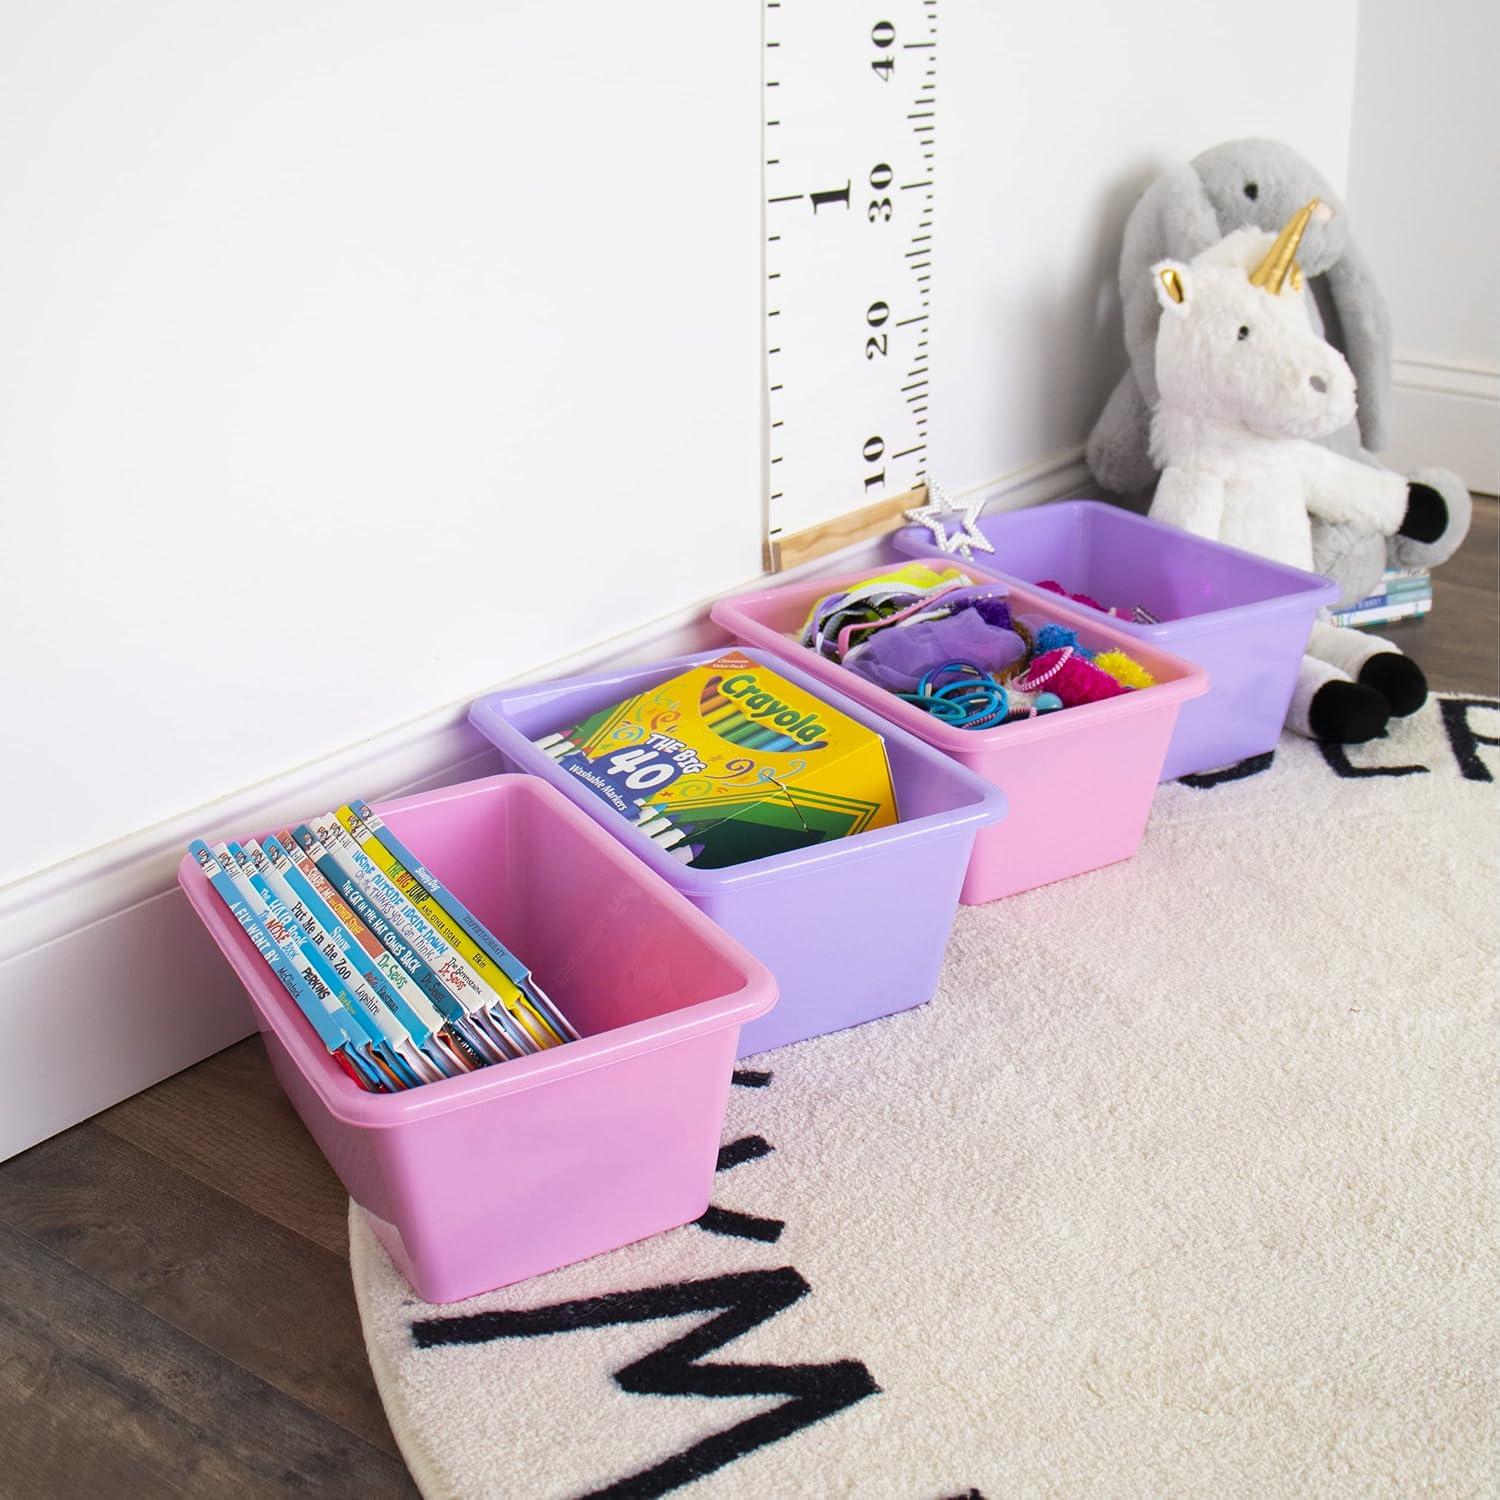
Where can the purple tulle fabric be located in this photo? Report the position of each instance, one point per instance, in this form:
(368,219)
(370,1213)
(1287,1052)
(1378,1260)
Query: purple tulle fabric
(896,659)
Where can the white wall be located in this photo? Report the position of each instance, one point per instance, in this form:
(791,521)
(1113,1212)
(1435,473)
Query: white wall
(1424,196)
(1424,174)
(460,301)
(1053,119)
(455,301)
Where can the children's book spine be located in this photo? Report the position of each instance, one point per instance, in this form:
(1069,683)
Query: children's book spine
(500,1038)
(404,981)
(410,866)
(398,942)
(512,998)
(401,1030)
(441,981)
(284,869)
(398,978)
(365,1014)
(452,965)
(279,964)
(1382,613)
(296,976)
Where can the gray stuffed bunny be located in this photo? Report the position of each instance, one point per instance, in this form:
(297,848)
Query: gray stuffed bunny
(1261,184)
(1243,184)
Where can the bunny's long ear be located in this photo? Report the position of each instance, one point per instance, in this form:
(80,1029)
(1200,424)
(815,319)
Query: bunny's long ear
(1173,218)
(1174,286)
(1361,330)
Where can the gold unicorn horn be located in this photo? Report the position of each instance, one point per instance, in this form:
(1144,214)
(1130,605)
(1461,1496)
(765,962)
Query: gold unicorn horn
(1271,274)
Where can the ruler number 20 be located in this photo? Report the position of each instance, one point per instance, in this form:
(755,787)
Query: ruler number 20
(883,35)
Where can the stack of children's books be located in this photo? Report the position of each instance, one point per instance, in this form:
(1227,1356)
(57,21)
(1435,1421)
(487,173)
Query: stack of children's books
(1404,594)
(403,984)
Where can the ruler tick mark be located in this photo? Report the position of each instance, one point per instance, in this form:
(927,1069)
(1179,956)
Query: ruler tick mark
(788,198)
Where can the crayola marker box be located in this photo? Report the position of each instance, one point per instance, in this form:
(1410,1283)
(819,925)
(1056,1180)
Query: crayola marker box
(729,761)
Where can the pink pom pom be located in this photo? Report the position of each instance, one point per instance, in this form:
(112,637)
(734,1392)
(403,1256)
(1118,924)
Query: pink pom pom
(1054,587)
(1103,609)
(1072,677)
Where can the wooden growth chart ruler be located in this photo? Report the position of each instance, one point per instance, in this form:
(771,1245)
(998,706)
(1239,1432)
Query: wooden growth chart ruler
(850,89)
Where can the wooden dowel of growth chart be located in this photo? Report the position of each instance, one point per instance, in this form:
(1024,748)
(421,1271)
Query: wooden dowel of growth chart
(858,526)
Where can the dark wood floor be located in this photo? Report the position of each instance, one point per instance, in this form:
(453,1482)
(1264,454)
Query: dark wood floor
(176,1316)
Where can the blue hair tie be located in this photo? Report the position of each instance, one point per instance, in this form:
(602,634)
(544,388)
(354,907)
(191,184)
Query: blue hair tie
(973,700)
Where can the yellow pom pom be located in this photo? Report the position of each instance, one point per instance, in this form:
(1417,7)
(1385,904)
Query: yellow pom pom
(1124,669)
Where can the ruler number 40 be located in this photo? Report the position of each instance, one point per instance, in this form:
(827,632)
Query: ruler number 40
(883,34)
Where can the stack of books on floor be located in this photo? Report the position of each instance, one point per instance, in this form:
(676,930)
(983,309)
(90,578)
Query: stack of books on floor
(1404,594)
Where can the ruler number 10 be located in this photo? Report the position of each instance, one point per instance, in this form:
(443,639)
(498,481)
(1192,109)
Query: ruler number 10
(874,451)
(883,35)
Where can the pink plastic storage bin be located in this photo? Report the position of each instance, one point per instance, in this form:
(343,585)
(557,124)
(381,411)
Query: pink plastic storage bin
(524,1166)
(1079,782)
(852,929)
(1244,619)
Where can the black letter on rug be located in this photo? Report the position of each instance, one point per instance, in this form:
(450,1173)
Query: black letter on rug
(1464,738)
(743,1301)
(1339,762)
(1251,766)
(726,1221)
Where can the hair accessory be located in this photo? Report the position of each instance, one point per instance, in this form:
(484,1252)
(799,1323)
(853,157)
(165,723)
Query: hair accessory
(1054,637)
(1072,677)
(1124,669)
(973,700)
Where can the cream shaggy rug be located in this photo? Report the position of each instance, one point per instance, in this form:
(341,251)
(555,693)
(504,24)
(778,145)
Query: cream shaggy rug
(1183,1185)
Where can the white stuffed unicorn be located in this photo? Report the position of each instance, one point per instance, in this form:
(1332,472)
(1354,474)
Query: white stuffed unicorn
(1246,386)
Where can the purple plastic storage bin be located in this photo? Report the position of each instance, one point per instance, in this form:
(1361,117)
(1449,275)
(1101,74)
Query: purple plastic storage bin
(524,1166)
(1243,619)
(852,929)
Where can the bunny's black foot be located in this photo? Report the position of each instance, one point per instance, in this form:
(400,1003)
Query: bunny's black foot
(1347,713)
(1426,513)
(1398,679)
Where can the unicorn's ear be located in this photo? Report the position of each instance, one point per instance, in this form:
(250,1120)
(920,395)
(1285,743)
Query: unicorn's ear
(1174,286)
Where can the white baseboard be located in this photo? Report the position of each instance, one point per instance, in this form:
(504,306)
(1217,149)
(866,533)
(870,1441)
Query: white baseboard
(1062,474)
(105,942)
(1447,415)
